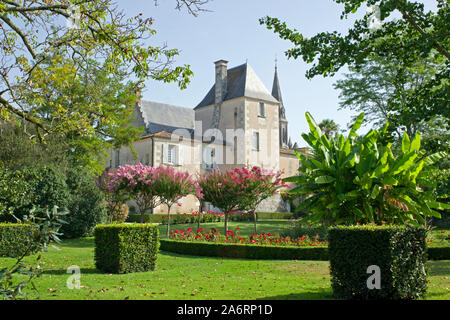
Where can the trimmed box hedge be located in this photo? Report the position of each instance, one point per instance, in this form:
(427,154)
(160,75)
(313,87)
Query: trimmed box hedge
(14,239)
(244,251)
(273,215)
(438,253)
(400,253)
(124,248)
(148,218)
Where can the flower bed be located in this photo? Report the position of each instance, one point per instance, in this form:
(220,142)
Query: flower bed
(233,236)
(214,244)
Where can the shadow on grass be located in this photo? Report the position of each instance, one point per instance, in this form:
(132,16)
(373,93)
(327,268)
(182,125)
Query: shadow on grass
(439,268)
(78,243)
(187,256)
(314,295)
(82,271)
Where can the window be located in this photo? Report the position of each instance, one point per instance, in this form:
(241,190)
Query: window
(208,158)
(256,141)
(261,111)
(172,154)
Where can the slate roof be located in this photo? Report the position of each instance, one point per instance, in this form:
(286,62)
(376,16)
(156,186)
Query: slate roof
(165,117)
(242,81)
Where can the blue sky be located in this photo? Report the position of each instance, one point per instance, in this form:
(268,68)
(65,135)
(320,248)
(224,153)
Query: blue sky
(231,31)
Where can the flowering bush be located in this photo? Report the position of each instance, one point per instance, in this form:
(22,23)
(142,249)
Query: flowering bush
(233,236)
(133,182)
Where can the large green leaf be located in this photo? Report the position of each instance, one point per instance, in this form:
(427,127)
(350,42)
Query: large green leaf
(324,179)
(406,143)
(315,129)
(415,144)
(390,181)
(356,125)
(405,162)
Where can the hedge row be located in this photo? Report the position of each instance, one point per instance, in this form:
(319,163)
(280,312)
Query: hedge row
(225,250)
(394,255)
(273,215)
(266,252)
(438,253)
(124,248)
(14,239)
(158,218)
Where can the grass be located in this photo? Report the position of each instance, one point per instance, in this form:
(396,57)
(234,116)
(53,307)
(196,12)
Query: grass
(188,277)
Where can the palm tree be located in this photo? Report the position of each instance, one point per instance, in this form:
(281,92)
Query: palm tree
(329,127)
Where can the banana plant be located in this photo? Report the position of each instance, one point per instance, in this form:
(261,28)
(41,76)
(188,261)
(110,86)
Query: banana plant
(357,179)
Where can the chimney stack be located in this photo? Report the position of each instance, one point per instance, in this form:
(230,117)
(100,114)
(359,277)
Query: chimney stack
(221,80)
(138,96)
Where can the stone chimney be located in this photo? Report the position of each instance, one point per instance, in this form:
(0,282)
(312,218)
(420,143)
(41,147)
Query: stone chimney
(138,96)
(221,80)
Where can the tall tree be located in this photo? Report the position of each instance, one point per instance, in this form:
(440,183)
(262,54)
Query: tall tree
(55,56)
(329,127)
(384,90)
(417,34)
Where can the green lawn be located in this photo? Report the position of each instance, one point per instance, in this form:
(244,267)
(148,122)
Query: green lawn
(245,228)
(188,277)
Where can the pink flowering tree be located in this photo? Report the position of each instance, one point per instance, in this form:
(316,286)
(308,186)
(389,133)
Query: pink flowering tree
(222,190)
(134,182)
(239,189)
(258,185)
(170,186)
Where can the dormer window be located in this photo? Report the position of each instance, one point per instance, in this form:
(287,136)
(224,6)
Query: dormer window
(261,110)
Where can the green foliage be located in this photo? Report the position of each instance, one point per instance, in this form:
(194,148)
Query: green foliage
(242,251)
(86,204)
(409,81)
(385,90)
(124,248)
(42,230)
(355,179)
(70,80)
(406,38)
(20,150)
(45,187)
(329,127)
(14,239)
(400,253)
(41,187)
(299,229)
(14,192)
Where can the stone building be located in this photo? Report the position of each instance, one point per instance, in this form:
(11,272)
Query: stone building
(238,122)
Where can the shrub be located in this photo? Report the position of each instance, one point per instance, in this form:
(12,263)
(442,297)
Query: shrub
(124,248)
(87,206)
(42,188)
(399,252)
(357,179)
(244,251)
(14,238)
(299,229)
(14,190)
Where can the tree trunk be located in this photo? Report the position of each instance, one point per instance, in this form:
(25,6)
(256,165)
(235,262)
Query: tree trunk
(226,222)
(168,220)
(254,220)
